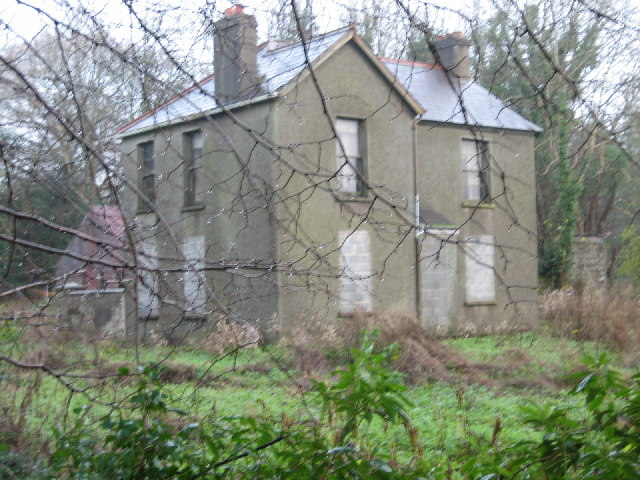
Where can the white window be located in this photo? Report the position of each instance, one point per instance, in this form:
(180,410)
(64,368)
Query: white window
(146,179)
(350,159)
(475,171)
(355,266)
(147,284)
(193,151)
(479,255)
(195,291)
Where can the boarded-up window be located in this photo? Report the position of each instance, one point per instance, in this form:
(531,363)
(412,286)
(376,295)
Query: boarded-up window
(355,264)
(480,284)
(195,292)
(148,284)
(437,277)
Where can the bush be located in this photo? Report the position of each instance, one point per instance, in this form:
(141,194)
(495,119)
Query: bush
(147,439)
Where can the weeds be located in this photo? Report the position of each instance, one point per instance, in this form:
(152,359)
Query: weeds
(318,346)
(612,319)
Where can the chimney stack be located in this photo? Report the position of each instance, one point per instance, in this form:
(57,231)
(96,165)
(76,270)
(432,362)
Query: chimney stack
(453,50)
(235,56)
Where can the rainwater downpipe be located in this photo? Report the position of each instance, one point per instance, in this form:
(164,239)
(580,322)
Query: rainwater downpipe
(416,197)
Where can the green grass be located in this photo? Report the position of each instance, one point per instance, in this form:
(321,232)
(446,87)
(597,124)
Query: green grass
(448,417)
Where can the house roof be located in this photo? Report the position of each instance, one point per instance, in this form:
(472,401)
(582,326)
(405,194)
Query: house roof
(109,220)
(278,67)
(432,218)
(469,104)
(109,229)
(425,87)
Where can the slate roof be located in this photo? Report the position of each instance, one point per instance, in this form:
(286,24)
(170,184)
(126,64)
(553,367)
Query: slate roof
(280,66)
(444,104)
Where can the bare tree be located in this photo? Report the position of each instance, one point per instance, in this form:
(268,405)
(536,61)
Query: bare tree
(146,197)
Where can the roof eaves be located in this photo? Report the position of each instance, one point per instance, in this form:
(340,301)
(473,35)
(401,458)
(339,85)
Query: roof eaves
(168,102)
(454,124)
(198,115)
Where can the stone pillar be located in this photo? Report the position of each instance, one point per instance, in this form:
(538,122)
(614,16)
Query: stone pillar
(589,268)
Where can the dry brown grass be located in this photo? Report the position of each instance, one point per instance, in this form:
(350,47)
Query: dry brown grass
(612,318)
(227,336)
(320,345)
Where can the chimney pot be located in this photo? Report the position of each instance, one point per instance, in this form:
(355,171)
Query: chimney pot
(235,10)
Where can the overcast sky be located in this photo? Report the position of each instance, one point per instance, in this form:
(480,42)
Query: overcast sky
(25,20)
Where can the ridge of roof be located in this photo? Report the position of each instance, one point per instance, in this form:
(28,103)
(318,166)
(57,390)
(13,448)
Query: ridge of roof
(411,63)
(313,38)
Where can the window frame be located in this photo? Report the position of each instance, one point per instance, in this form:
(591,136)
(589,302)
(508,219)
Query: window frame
(354,164)
(190,170)
(147,174)
(480,169)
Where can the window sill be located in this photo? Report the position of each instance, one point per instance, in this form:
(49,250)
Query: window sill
(351,197)
(474,204)
(486,303)
(192,208)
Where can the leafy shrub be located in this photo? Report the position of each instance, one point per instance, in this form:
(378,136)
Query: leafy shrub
(149,440)
(15,466)
(605,446)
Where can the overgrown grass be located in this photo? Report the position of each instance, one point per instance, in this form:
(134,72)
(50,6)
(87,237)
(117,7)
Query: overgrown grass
(469,385)
(609,318)
(447,414)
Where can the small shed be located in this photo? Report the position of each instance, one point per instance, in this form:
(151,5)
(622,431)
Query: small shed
(102,241)
(92,294)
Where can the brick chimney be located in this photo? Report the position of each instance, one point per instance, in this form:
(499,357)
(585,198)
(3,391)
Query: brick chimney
(235,56)
(453,50)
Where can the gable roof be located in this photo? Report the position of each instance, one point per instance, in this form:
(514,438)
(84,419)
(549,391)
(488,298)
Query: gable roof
(425,88)
(278,67)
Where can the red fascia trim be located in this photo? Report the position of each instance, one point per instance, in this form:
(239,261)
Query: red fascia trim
(410,63)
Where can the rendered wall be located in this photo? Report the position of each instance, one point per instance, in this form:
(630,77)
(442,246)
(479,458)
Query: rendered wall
(232,190)
(354,89)
(510,218)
